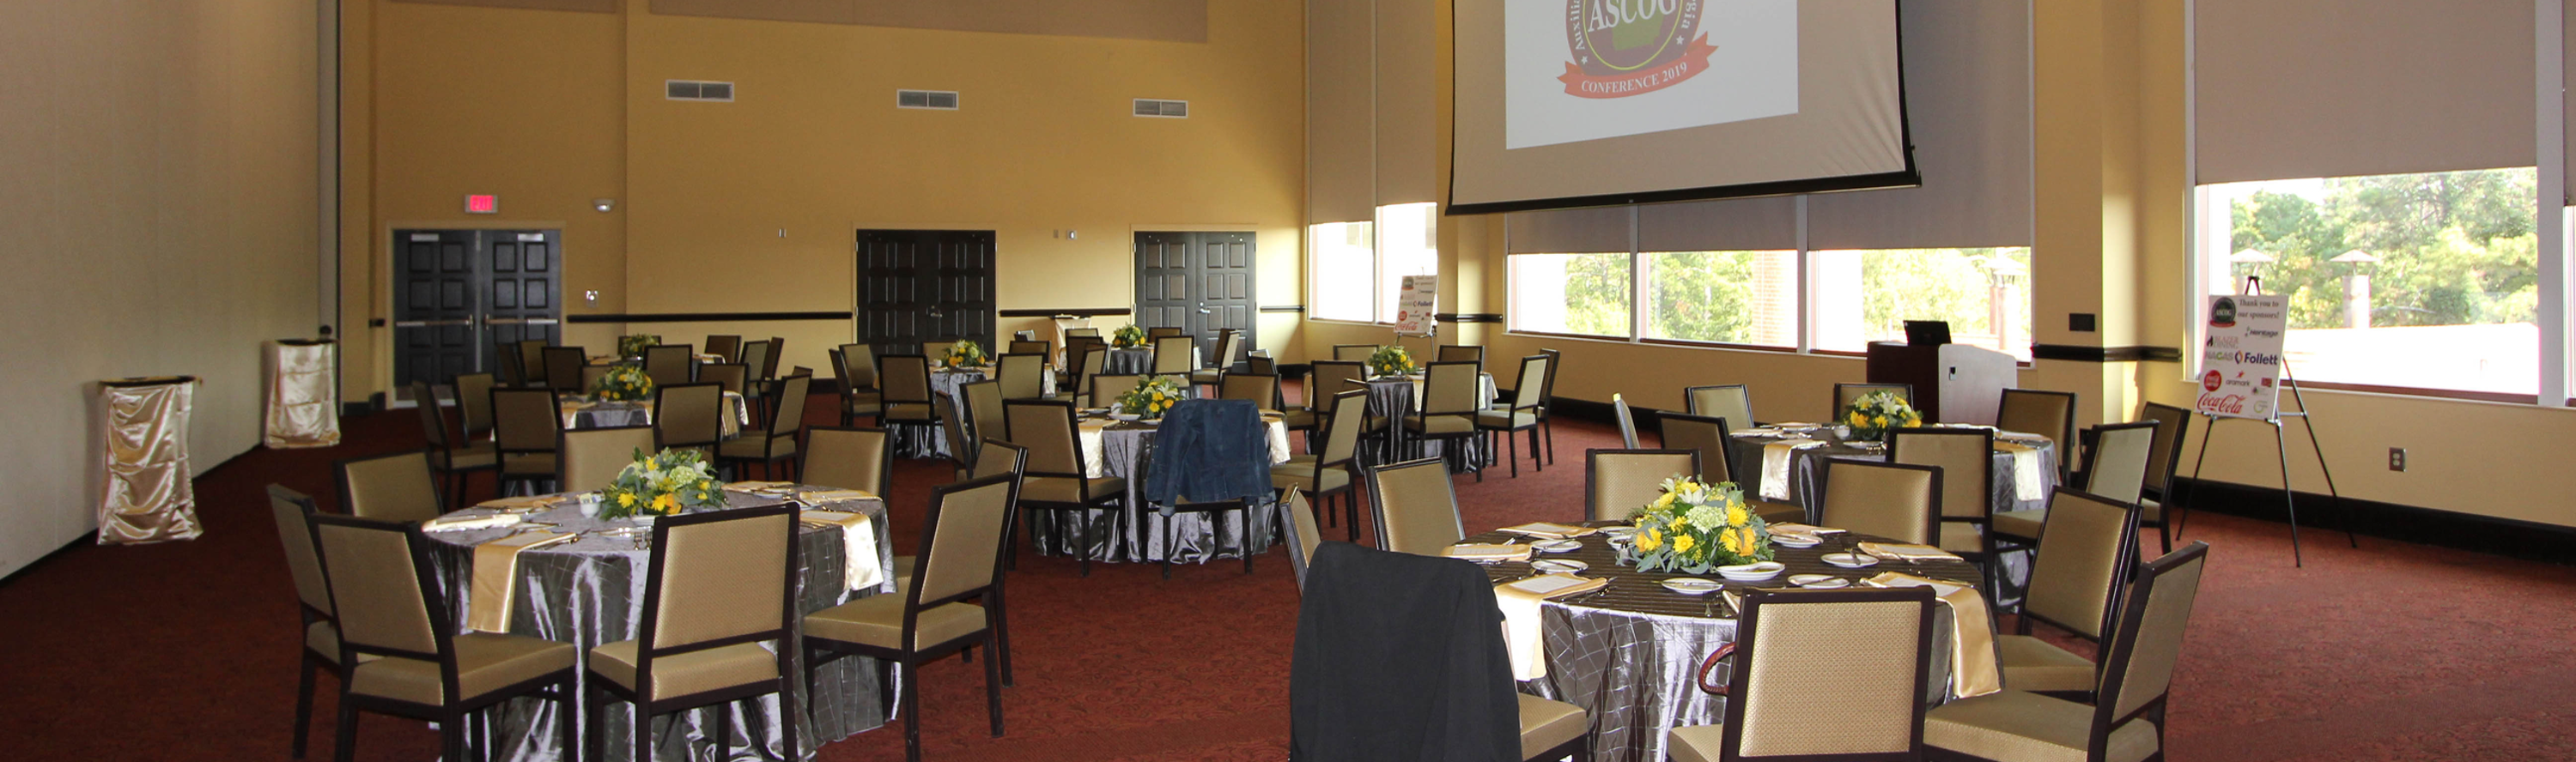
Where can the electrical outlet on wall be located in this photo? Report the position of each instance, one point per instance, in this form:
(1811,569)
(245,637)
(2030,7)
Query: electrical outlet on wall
(2396,459)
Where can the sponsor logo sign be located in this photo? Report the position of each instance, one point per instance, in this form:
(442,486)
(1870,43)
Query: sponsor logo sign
(2242,355)
(1415,303)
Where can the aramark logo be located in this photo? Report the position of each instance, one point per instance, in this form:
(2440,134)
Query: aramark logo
(1630,47)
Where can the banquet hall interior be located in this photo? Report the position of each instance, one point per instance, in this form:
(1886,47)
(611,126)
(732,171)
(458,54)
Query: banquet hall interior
(1314,379)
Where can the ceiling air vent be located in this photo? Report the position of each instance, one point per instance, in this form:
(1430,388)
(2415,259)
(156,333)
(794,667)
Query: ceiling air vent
(692,90)
(1172,109)
(938,99)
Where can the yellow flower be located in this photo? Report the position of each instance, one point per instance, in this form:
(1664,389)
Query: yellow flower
(1666,501)
(626,499)
(665,503)
(1680,522)
(1652,539)
(1683,543)
(1732,544)
(1736,516)
(1750,542)
(1855,418)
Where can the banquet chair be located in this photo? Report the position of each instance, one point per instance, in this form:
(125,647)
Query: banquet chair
(961,445)
(961,542)
(994,457)
(1845,394)
(983,405)
(1019,376)
(1708,436)
(847,457)
(1262,390)
(452,461)
(1520,415)
(1787,700)
(1732,402)
(2172,423)
(590,375)
(1260,364)
(514,371)
(589,459)
(1330,377)
(731,375)
(856,367)
(474,405)
(1153,505)
(718,626)
(1474,353)
(1163,331)
(726,346)
(1173,355)
(1416,507)
(1547,401)
(755,376)
(532,362)
(689,416)
(1898,501)
(1330,470)
(397,487)
(1627,420)
(1085,359)
(1039,347)
(396,638)
(1084,331)
(563,369)
(768,381)
(524,424)
(669,364)
(1967,463)
(1447,412)
(2115,469)
(320,632)
(2050,414)
(1617,482)
(774,444)
(2126,720)
(1055,478)
(1353,352)
(1229,352)
(1105,389)
(1303,535)
(2084,559)
(905,380)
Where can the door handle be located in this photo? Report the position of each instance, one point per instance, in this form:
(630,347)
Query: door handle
(428,323)
(503,321)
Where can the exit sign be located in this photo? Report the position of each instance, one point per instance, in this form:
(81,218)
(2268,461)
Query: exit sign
(482,204)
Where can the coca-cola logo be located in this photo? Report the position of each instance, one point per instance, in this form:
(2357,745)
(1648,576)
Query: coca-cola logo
(2233,403)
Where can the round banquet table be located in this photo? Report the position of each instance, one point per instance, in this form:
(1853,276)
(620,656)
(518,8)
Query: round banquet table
(1134,531)
(1630,655)
(1131,361)
(1392,398)
(590,591)
(2025,472)
(580,413)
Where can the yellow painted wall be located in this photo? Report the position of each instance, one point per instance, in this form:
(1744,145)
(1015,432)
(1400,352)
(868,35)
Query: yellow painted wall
(160,160)
(812,145)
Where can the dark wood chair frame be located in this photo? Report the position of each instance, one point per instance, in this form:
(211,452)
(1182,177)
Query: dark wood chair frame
(2160,485)
(433,425)
(1750,621)
(819,651)
(1931,527)
(1509,433)
(1073,510)
(501,455)
(1984,556)
(2065,436)
(1591,465)
(313,662)
(600,690)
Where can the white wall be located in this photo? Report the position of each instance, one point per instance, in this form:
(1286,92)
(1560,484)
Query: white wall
(159,162)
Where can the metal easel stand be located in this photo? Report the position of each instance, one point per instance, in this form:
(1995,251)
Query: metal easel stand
(2289,497)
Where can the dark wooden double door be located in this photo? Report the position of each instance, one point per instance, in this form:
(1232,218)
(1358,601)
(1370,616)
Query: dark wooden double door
(460,293)
(1199,282)
(921,287)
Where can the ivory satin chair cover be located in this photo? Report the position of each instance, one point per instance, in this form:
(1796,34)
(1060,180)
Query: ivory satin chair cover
(302,408)
(148,495)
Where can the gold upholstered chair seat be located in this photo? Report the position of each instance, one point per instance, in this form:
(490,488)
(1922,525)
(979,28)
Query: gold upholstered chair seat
(1060,489)
(531,463)
(485,662)
(1962,537)
(1441,424)
(688,673)
(2031,664)
(751,447)
(324,639)
(1546,725)
(465,457)
(2022,524)
(1770,511)
(910,411)
(877,620)
(1300,418)
(1506,419)
(1695,743)
(1300,471)
(2013,726)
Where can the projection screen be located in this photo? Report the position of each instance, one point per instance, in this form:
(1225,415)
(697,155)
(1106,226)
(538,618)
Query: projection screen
(1574,103)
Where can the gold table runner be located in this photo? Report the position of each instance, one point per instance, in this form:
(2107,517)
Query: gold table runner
(1972,642)
(1775,465)
(1522,635)
(861,568)
(496,566)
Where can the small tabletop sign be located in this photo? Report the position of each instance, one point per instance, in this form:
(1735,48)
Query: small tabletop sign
(1415,303)
(2242,356)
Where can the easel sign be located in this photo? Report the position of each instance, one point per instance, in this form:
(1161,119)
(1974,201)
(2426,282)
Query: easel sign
(1415,303)
(2242,356)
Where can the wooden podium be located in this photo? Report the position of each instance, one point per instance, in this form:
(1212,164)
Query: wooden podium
(1953,383)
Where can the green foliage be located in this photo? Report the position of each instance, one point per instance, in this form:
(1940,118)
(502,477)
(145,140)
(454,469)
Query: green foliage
(1596,294)
(2455,248)
(1953,285)
(1701,295)
(624,382)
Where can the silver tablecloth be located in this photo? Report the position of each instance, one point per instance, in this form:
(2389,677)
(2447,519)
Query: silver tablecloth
(591,591)
(1631,656)
(596,415)
(1391,397)
(1128,362)
(1806,480)
(1134,531)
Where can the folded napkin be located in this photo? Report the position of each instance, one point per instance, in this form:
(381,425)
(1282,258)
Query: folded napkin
(1549,530)
(757,486)
(836,495)
(496,566)
(1907,552)
(1792,527)
(2027,484)
(1972,644)
(1760,431)
(1484,552)
(1963,426)
(861,568)
(1775,465)
(1519,601)
(463,523)
(522,502)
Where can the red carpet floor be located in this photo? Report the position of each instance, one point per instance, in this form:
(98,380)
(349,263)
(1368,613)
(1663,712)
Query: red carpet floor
(187,650)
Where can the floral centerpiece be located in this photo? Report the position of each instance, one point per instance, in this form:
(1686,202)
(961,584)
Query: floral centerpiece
(634,346)
(1127,337)
(662,484)
(1874,413)
(1390,360)
(1693,528)
(624,382)
(967,354)
(1152,397)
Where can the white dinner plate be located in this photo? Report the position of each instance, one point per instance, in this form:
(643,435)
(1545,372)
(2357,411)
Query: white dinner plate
(1828,583)
(1693,585)
(1555,565)
(1619,531)
(1753,572)
(1125,416)
(1849,561)
(1797,540)
(1556,546)
(1802,579)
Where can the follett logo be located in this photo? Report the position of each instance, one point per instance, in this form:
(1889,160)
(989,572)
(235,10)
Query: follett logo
(1632,47)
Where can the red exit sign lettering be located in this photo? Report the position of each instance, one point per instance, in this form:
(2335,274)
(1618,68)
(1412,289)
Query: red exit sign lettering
(481,203)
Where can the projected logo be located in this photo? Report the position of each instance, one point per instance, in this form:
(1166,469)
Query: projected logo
(1631,47)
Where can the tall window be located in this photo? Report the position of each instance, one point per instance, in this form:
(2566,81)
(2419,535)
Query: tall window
(2426,281)
(1866,296)
(1584,294)
(1359,267)
(1750,298)
(1731,297)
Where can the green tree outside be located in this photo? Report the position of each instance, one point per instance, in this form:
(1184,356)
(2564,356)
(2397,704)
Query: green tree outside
(2454,248)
